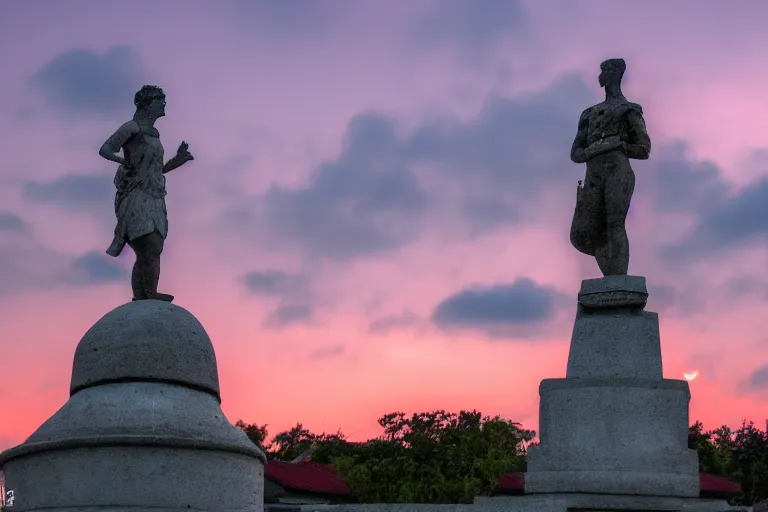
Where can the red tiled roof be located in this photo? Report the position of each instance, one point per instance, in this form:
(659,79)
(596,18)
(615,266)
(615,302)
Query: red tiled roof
(718,485)
(512,483)
(322,479)
(306,477)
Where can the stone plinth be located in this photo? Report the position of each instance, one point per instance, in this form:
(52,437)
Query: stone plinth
(612,335)
(614,425)
(143,427)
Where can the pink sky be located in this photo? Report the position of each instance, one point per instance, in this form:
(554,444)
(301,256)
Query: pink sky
(365,162)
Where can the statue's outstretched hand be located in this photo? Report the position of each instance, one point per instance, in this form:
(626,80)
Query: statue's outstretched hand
(183,152)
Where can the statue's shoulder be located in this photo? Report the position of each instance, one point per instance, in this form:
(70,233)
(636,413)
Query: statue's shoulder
(634,107)
(586,113)
(129,128)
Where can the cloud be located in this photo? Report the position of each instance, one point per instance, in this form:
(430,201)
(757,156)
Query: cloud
(11,223)
(386,324)
(662,297)
(683,185)
(759,378)
(472,29)
(385,186)
(738,219)
(747,286)
(26,265)
(327,352)
(275,283)
(94,268)
(465,177)
(87,83)
(284,18)
(73,191)
(499,308)
(286,315)
(364,202)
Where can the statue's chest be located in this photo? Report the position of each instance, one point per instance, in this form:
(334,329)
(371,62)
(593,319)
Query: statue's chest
(606,119)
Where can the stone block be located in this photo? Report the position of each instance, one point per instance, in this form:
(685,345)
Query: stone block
(613,436)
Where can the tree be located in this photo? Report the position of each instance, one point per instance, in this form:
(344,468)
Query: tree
(256,433)
(740,455)
(434,457)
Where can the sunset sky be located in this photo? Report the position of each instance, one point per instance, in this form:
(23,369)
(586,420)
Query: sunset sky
(377,215)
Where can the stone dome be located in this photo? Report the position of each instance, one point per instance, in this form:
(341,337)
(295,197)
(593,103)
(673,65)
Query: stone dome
(147,340)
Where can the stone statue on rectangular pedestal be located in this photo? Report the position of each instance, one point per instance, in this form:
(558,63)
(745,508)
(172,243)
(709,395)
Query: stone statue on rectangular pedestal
(609,134)
(614,426)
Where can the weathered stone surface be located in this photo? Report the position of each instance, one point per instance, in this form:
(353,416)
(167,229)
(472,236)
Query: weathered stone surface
(613,337)
(608,135)
(613,436)
(140,209)
(613,292)
(614,425)
(146,340)
(143,428)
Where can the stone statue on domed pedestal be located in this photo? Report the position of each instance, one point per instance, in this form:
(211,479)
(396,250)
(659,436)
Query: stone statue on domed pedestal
(142,218)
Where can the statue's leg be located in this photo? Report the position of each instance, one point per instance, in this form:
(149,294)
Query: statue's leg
(146,271)
(613,256)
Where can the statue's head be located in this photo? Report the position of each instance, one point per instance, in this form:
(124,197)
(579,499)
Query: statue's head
(150,99)
(611,71)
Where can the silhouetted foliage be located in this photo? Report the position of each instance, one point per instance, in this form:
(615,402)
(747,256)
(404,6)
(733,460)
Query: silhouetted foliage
(740,455)
(441,457)
(256,433)
(430,457)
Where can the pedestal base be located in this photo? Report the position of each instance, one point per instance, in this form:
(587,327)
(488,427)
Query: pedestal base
(613,425)
(143,427)
(617,436)
(595,503)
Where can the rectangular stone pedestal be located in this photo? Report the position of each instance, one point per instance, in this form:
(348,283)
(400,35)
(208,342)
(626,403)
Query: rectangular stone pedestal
(617,436)
(614,425)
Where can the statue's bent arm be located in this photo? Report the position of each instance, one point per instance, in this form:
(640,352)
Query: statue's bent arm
(639,143)
(578,149)
(112,145)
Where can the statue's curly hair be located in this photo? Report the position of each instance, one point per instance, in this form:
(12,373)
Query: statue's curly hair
(615,67)
(146,94)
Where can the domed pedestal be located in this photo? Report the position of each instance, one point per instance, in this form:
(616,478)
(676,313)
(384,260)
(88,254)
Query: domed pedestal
(143,428)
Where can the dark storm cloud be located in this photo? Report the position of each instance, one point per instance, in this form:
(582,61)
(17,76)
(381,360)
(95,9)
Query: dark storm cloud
(487,308)
(84,82)
(73,191)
